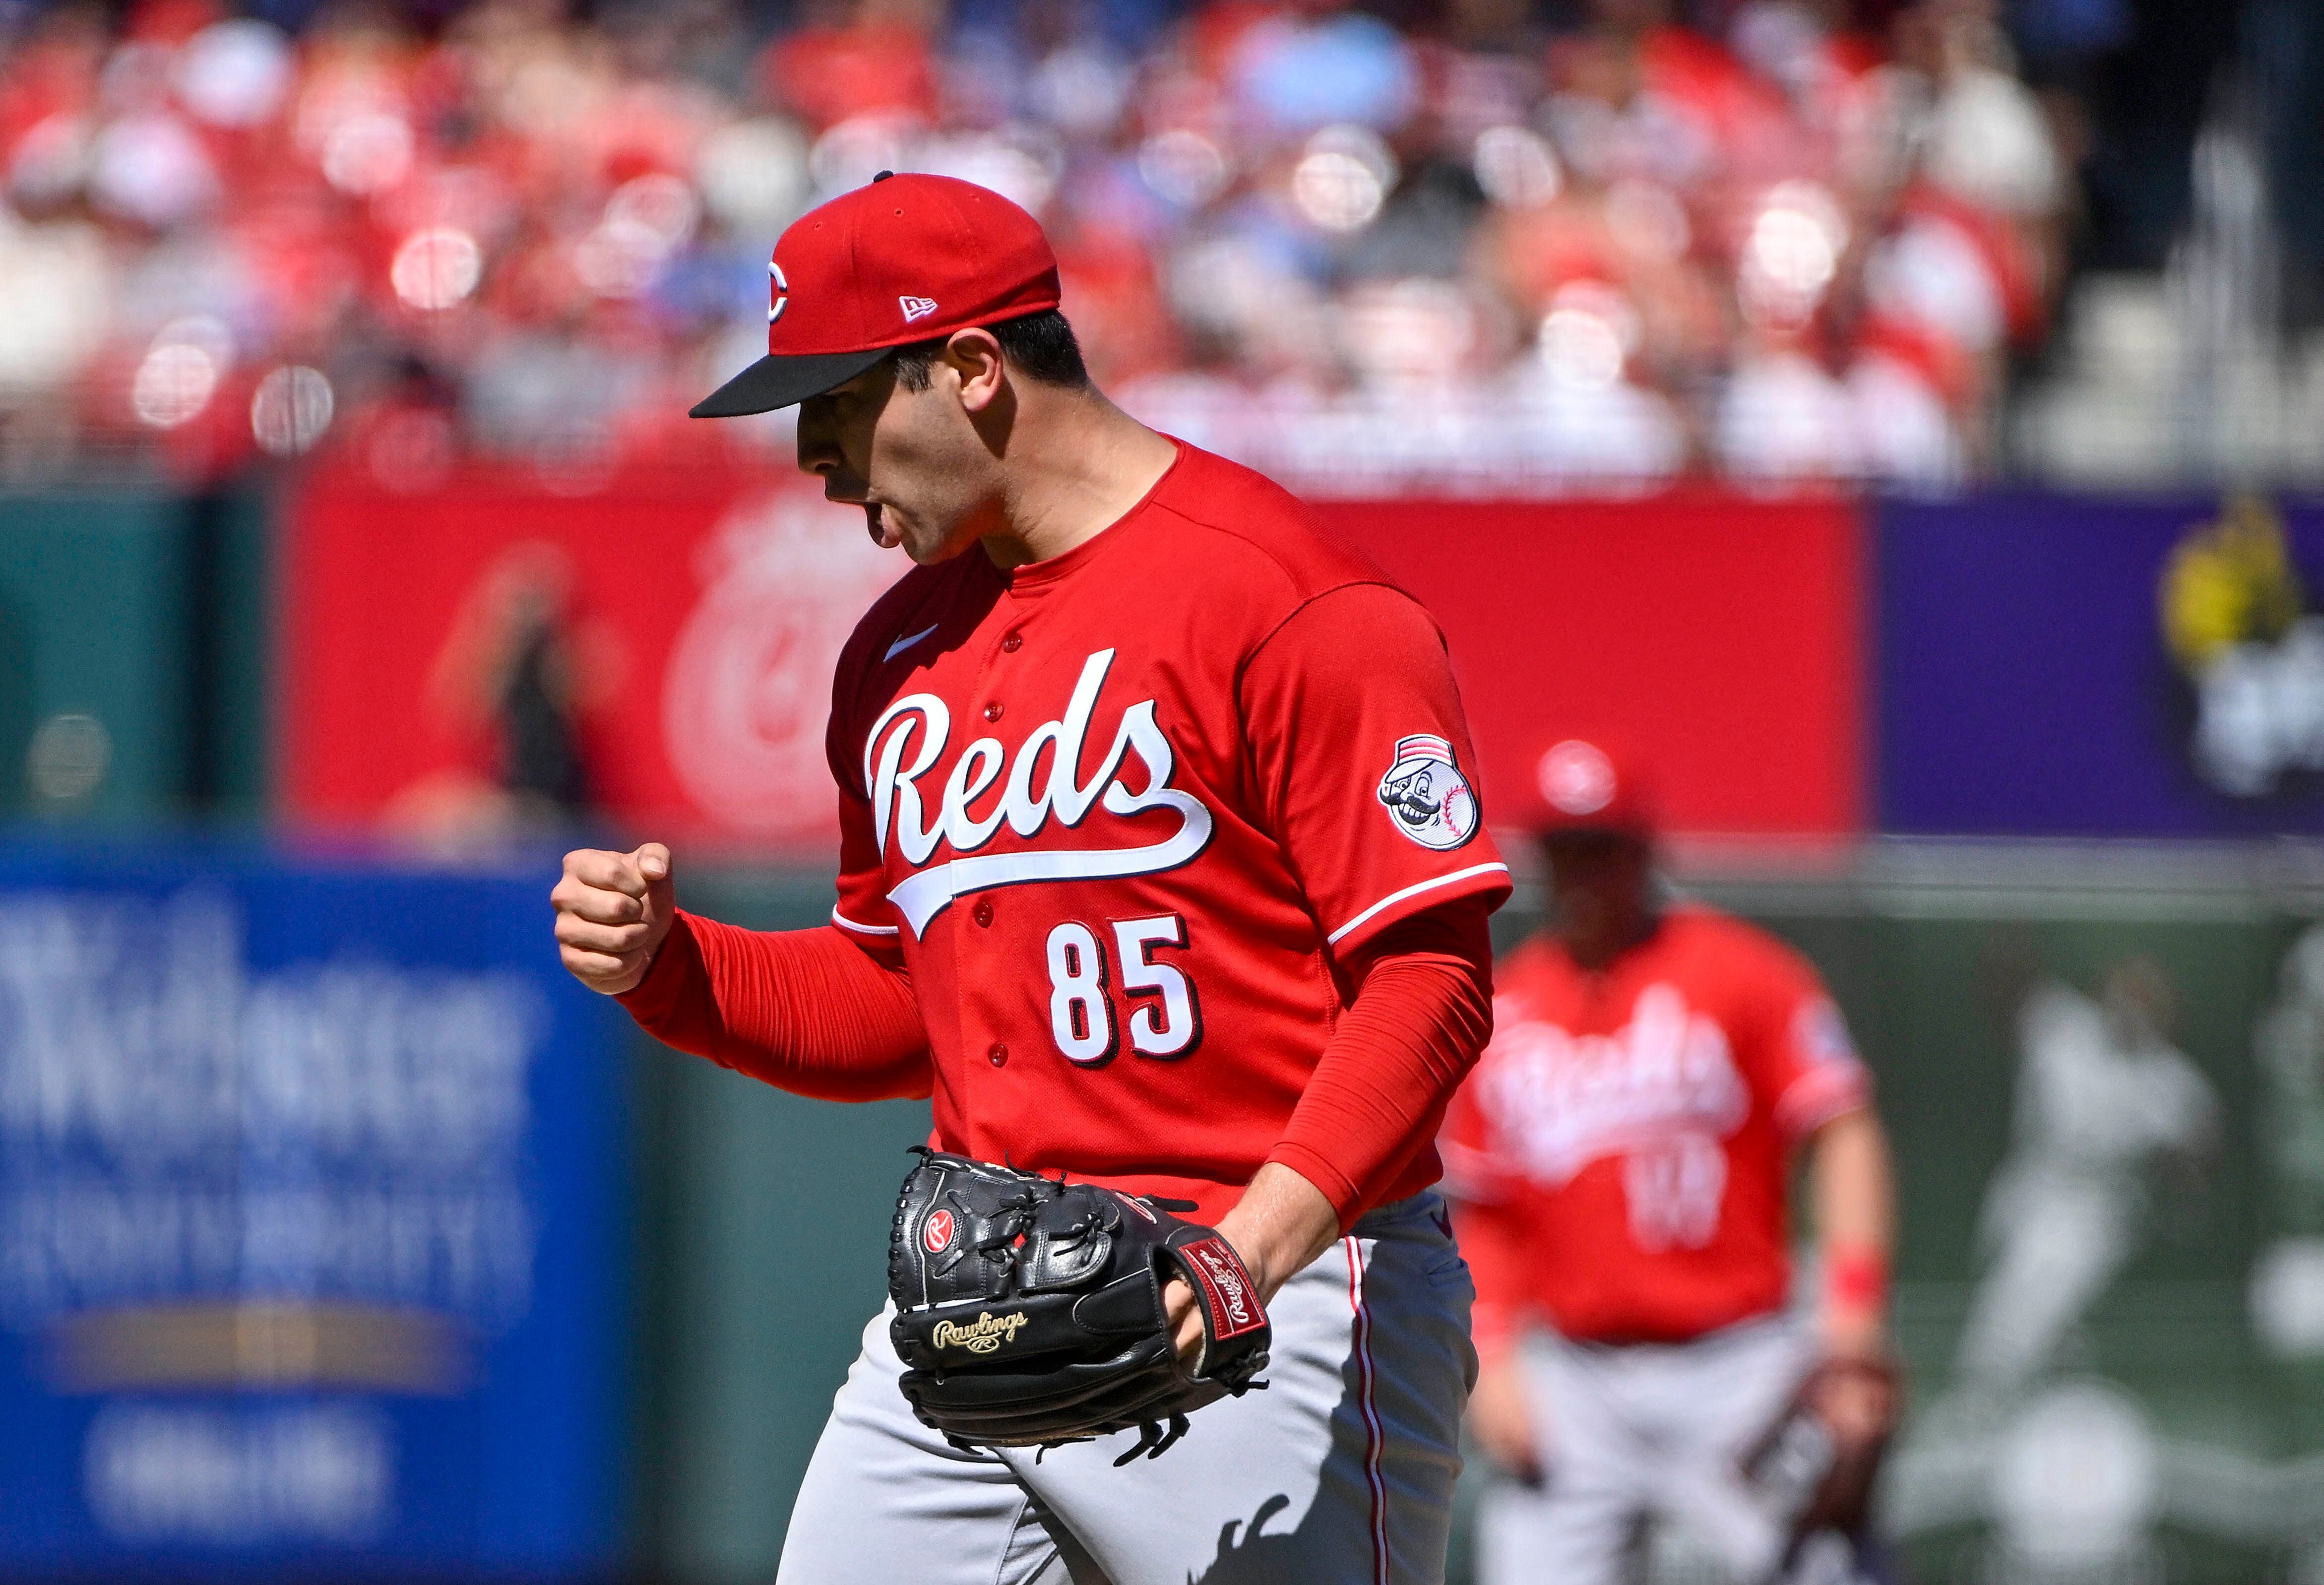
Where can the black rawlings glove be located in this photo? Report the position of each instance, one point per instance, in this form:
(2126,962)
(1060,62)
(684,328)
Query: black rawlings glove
(1028,1309)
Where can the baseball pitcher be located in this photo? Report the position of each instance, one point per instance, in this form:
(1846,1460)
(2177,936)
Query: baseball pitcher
(1621,1156)
(1162,873)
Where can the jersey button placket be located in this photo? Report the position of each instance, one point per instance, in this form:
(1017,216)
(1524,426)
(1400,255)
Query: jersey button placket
(1011,642)
(981,911)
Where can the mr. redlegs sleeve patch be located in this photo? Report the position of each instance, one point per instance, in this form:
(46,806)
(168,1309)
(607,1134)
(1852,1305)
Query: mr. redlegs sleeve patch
(1426,792)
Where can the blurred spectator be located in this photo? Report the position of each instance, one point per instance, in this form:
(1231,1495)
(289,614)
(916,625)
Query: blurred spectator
(1482,254)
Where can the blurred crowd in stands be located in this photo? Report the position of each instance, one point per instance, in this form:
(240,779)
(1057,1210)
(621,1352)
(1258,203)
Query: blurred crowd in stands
(1478,244)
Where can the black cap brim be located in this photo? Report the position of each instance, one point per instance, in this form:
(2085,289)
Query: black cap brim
(776,381)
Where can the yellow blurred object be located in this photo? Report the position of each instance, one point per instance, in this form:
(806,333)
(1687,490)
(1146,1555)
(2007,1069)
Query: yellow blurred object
(278,1345)
(2230,582)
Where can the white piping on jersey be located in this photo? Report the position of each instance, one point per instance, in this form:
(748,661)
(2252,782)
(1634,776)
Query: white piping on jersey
(845,922)
(1394,898)
(1820,1094)
(1373,1435)
(900,645)
(898,808)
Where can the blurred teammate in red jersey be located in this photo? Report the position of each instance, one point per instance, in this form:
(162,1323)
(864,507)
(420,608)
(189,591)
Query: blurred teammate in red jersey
(1622,1155)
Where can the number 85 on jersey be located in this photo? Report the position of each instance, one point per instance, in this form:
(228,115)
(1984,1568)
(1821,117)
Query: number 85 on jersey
(1159,1009)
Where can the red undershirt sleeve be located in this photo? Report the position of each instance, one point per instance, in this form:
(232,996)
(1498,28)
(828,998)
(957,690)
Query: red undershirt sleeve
(1421,1014)
(805,1011)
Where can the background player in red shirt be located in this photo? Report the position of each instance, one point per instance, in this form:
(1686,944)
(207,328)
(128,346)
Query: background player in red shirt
(1159,867)
(1622,1156)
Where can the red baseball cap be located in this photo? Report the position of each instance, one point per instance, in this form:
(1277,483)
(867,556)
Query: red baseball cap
(1579,786)
(901,260)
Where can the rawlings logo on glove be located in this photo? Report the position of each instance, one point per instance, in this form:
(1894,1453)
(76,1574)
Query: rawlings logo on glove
(1218,1272)
(1082,1348)
(984,1335)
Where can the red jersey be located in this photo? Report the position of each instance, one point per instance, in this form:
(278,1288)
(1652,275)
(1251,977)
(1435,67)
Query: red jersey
(1122,813)
(1623,1148)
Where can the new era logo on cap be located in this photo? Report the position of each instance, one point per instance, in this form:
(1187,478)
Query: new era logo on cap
(916,307)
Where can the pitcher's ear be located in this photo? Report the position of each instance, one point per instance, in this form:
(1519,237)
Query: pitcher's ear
(975,354)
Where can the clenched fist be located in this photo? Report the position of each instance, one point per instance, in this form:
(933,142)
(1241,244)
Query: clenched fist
(613,910)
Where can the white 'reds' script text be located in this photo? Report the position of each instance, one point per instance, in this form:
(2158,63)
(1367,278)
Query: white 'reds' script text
(905,744)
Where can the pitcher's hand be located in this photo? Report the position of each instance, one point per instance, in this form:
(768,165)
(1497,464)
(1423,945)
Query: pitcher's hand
(613,910)
(1278,1228)
(1504,1418)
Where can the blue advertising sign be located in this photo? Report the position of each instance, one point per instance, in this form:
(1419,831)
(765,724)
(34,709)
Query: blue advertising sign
(309,1223)
(2072,666)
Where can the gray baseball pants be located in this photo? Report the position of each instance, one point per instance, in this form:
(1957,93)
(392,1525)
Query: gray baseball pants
(1639,1433)
(1341,1472)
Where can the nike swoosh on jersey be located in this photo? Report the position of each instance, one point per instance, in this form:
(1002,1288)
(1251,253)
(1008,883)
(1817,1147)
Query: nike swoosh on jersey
(900,645)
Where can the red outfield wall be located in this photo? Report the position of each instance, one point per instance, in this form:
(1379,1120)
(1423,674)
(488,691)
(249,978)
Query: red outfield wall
(697,617)
(1718,639)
